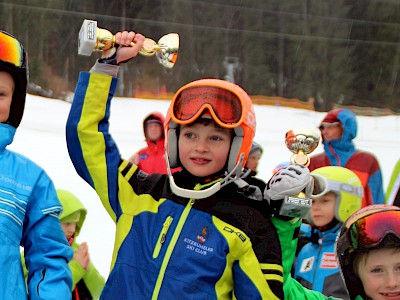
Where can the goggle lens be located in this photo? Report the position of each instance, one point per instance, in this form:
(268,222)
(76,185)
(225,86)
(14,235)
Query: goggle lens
(11,50)
(190,103)
(369,231)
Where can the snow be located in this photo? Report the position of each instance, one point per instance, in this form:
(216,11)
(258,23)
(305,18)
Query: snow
(41,137)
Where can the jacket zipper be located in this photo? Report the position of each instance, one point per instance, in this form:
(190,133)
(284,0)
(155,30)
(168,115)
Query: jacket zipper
(171,247)
(161,237)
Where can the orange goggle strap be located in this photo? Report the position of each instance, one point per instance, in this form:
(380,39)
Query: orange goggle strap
(225,107)
(11,50)
(368,231)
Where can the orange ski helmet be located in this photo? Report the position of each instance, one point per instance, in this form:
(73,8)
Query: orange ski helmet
(229,106)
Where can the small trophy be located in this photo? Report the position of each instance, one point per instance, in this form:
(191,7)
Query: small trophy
(92,38)
(301,142)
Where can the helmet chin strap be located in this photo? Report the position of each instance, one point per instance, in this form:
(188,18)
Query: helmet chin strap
(233,175)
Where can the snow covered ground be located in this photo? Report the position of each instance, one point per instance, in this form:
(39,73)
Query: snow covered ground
(41,137)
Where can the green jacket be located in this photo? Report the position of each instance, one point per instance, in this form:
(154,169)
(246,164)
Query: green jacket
(392,193)
(91,278)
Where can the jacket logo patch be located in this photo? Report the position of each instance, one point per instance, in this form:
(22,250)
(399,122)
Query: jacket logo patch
(307,264)
(197,247)
(239,234)
(329,261)
(143,156)
(202,234)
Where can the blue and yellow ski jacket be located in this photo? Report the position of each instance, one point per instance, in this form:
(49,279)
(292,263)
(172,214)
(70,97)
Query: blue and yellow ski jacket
(168,247)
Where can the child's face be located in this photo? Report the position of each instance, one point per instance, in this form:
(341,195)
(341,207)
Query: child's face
(69,229)
(204,148)
(6,93)
(252,162)
(154,131)
(379,271)
(323,209)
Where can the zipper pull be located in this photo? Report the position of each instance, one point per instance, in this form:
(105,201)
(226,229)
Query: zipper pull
(166,225)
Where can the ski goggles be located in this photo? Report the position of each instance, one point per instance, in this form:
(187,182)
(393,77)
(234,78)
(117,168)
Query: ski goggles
(329,125)
(11,50)
(225,107)
(369,231)
(322,186)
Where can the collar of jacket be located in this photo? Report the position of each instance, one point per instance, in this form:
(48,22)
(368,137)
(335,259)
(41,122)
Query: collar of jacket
(7,133)
(187,180)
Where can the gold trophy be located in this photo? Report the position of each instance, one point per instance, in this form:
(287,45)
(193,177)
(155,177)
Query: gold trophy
(92,38)
(300,142)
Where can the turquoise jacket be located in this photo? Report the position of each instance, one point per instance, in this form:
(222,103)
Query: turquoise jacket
(29,210)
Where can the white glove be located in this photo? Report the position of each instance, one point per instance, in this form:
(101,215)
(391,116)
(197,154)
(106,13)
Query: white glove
(288,181)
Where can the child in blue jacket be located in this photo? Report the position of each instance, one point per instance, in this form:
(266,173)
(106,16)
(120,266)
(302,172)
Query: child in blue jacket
(29,207)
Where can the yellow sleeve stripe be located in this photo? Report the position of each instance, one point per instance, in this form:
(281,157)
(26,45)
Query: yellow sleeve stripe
(271,267)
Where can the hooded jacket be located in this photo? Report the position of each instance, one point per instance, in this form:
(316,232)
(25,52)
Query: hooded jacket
(29,211)
(88,284)
(342,152)
(152,157)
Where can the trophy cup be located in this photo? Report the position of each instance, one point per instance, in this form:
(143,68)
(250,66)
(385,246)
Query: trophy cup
(300,142)
(92,38)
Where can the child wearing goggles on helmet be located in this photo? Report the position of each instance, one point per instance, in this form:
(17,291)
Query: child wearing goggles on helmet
(201,232)
(29,207)
(337,194)
(368,250)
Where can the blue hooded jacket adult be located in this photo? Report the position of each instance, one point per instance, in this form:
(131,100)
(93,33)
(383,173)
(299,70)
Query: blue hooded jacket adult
(342,152)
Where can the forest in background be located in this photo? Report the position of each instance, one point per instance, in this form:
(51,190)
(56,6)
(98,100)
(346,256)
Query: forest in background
(334,51)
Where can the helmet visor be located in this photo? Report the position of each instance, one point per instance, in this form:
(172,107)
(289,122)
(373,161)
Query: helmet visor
(11,50)
(224,106)
(370,230)
(322,186)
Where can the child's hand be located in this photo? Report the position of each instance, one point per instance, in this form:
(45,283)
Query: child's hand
(125,51)
(134,159)
(81,255)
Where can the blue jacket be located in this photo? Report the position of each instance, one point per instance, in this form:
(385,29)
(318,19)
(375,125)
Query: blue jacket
(169,247)
(316,265)
(29,210)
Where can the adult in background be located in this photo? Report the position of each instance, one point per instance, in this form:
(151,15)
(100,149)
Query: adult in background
(338,129)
